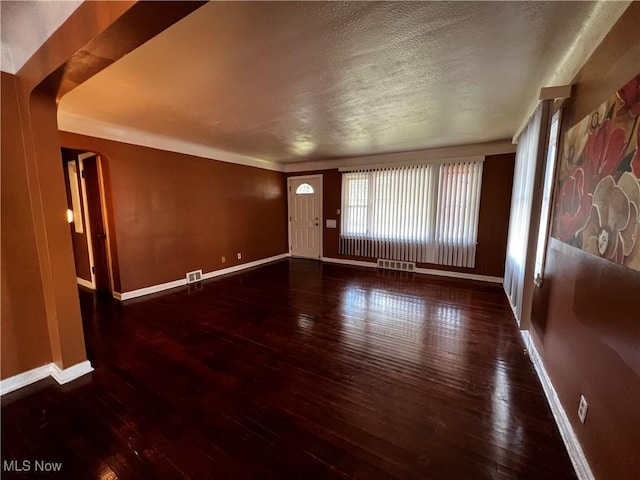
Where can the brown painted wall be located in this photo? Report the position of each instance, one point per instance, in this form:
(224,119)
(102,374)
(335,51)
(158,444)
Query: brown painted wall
(586,317)
(493,222)
(25,338)
(174,213)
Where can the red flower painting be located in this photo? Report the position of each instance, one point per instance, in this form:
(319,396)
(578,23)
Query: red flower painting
(575,206)
(635,161)
(598,199)
(629,95)
(603,152)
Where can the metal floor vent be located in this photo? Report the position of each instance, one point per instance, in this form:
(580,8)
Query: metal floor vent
(195,276)
(396,265)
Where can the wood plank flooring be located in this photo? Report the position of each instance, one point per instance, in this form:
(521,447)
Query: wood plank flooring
(295,370)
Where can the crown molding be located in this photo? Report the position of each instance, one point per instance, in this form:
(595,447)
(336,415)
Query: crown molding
(79,124)
(602,19)
(421,156)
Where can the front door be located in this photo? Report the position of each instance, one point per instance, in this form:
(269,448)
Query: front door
(305,216)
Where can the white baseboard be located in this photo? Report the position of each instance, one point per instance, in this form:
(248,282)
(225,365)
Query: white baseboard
(580,463)
(51,369)
(466,276)
(149,290)
(236,268)
(179,283)
(85,283)
(23,379)
(355,263)
(71,373)
(425,271)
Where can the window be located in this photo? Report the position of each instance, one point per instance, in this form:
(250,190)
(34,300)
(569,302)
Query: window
(525,201)
(304,189)
(426,213)
(545,212)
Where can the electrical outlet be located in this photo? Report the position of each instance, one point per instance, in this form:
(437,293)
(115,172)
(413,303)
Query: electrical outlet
(582,409)
(224,259)
(239,256)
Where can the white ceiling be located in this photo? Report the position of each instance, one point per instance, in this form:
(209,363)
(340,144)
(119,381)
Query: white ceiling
(293,81)
(25,26)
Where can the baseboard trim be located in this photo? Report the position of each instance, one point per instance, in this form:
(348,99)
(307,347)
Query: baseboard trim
(424,271)
(11,384)
(69,374)
(237,268)
(466,276)
(179,283)
(21,380)
(574,449)
(141,292)
(353,263)
(85,283)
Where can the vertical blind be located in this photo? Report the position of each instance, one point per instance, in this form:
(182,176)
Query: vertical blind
(423,213)
(516,282)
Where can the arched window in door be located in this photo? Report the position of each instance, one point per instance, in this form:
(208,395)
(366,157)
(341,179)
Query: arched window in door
(304,189)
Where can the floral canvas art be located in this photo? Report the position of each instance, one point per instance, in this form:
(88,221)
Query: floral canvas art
(598,196)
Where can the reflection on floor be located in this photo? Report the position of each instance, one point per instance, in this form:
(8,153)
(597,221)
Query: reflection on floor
(296,370)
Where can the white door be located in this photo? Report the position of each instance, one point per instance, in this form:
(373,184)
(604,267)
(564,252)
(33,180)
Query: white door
(305,216)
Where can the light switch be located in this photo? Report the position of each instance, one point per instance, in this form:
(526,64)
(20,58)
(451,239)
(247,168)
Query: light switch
(338,212)
(331,223)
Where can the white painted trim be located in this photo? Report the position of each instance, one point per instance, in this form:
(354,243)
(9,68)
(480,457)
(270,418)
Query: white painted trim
(466,276)
(244,266)
(320,177)
(601,20)
(354,263)
(23,379)
(406,158)
(141,292)
(82,125)
(50,369)
(424,271)
(580,463)
(237,268)
(85,283)
(179,283)
(71,373)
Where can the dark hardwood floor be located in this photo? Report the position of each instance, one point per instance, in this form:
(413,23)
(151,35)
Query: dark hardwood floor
(296,370)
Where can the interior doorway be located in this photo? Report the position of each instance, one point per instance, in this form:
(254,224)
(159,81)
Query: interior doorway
(305,216)
(87,219)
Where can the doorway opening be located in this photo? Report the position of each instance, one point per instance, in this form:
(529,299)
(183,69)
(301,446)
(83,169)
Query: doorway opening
(87,219)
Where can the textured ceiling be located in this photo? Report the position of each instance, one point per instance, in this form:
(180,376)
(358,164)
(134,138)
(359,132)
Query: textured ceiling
(26,25)
(297,81)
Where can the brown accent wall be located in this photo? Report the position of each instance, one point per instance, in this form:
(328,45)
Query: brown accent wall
(25,338)
(493,223)
(586,316)
(174,213)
